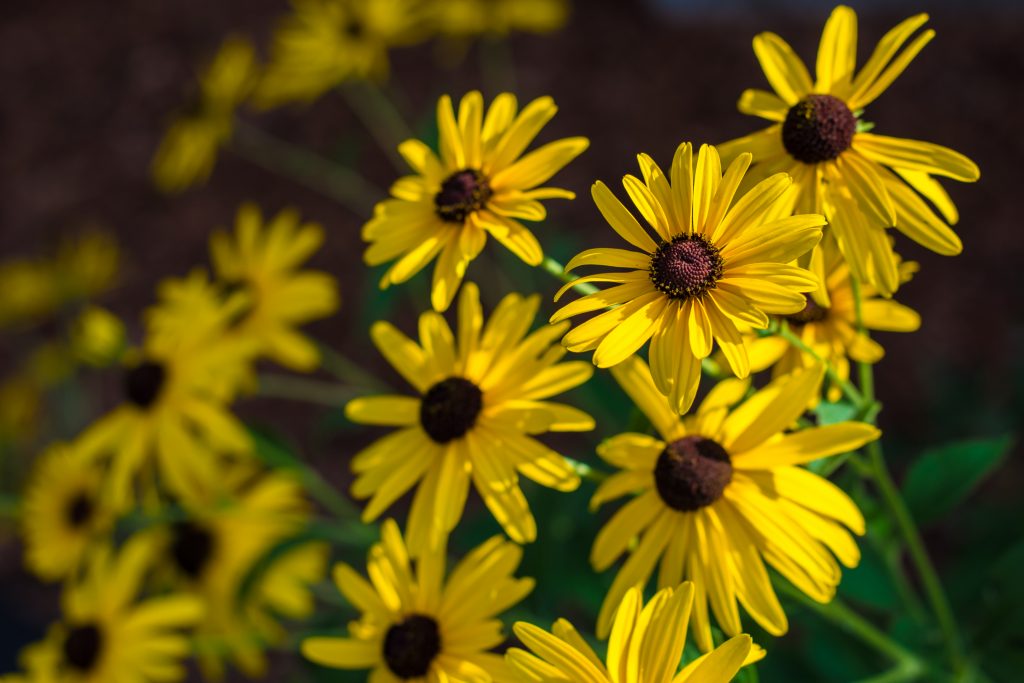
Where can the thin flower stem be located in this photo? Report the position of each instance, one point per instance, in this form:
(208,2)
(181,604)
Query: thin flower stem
(348,371)
(846,386)
(305,389)
(558,270)
(837,612)
(307,168)
(585,471)
(381,118)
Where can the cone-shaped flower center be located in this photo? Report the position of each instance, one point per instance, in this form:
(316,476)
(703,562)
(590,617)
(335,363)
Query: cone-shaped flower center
(79,510)
(191,548)
(686,267)
(818,128)
(449,409)
(812,313)
(461,194)
(82,646)
(410,646)
(692,473)
(142,384)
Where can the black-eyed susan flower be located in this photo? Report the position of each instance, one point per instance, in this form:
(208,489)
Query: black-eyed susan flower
(862,182)
(107,634)
(482,398)
(324,43)
(176,390)
(713,264)
(63,514)
(480,185)
(232,523)
(828,324)
(266,262)
(646,646)
(720,493)
(469,18)
(415,623)
(188,151)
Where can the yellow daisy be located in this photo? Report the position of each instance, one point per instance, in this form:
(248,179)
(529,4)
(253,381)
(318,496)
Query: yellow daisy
(266,262)
(481,401)
(720,493)
(861,181)
(467,18)
(415,624)
(828,324)
(106,636)
(231,525)
(646,646)
(176,392)
(323,43)
(188,150)
(63,514)
(478,186)
(713,264)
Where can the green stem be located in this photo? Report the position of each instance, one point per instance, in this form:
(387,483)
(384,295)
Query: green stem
(381,118)
(305,389)
(348,371)
(558,270)
(10,506)
(305,167)
(586,471)
(838,613)
(846,386)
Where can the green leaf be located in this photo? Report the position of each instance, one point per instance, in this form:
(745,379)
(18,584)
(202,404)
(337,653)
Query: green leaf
(831,413)
(943,477)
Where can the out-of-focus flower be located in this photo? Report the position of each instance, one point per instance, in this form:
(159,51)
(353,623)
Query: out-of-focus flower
(481,401)
(265,261)
(714,264)
(862,182)
(417,625)
(719,493)
(188,150)
(481,185)
(106,635)
(232,524)
(97,337)
(646,646)
(63,514)
(20,399)
(468,18)
(323,43)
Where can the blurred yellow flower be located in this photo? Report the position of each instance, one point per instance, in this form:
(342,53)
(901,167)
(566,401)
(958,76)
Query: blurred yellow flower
(323,43)
(266,262)
(862,182)
(415,623)
(466,18)
(646,646)
(719,493)
(97,337)
(481,185)
(188,150)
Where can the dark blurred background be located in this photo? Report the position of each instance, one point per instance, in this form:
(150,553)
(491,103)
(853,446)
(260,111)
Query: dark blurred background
(87,88)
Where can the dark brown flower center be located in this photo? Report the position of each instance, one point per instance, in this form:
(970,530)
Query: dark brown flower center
(461,194)
(79,510)
(449,409)
(142,384)
(818,128)
(692,473)
(191,548)
(354,28)
(686,267)
(82,646)
(812,313)
(410,646)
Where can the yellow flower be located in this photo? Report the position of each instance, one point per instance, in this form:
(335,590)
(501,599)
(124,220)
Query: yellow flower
(232,524)
(828,324)
(188,151)
(176,390)
(720,493)
(481,401)
(323,43)
(646,646)
(465,18)
(266,262)
(97,337)
(862,182)
(63,513)
(417,625)
(105,635)
(20,399)
(713,265)
(478,186)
